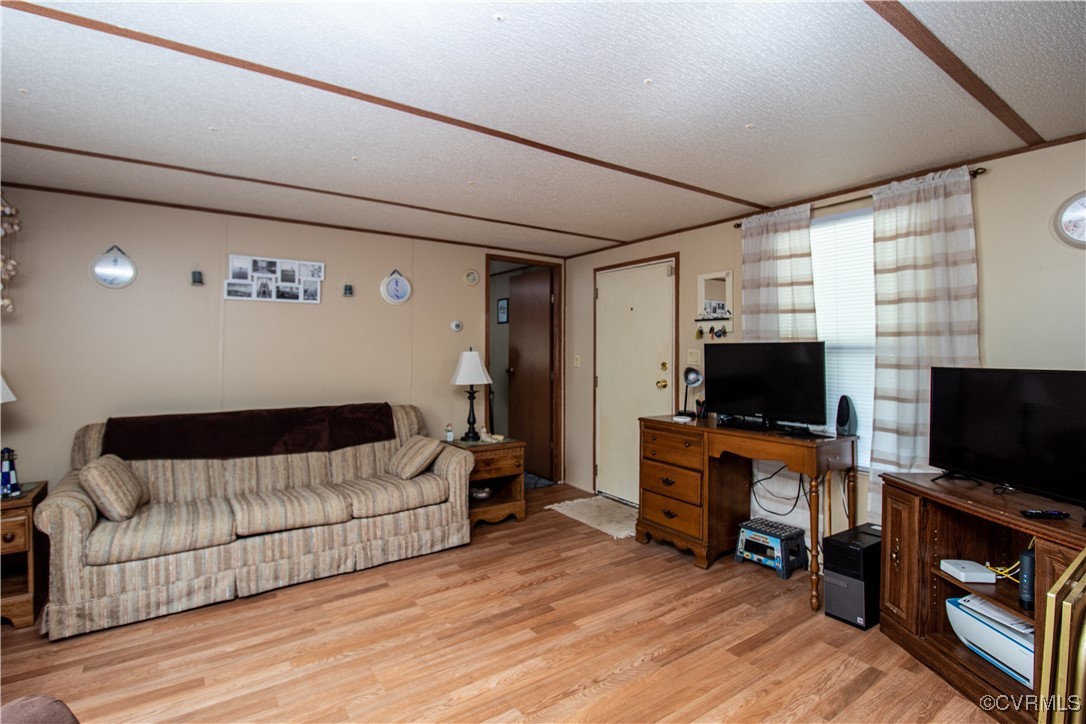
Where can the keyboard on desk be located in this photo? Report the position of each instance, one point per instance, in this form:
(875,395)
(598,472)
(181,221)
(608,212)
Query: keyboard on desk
(740,423)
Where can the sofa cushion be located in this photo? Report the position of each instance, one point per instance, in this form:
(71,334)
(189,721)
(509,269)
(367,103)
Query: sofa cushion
(415,456)
(161,528)
(275,510)
(113,486)
(385,494)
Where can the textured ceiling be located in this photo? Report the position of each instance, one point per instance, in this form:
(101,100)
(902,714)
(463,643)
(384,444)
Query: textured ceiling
(549,128)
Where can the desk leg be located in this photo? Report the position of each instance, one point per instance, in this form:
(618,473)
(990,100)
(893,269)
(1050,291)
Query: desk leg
(816,603)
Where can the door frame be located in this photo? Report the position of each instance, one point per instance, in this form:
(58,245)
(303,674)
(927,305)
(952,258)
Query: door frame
(674,256)
(558,457)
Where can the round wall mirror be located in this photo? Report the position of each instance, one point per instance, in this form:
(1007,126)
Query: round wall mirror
(114,269)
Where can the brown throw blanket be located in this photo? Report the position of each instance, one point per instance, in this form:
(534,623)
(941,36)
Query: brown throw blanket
(247,433)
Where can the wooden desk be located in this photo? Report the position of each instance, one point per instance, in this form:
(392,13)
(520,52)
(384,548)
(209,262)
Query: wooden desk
(695,483)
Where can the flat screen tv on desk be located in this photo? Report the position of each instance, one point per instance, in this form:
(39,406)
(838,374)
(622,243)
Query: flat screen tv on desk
(773,382)
(1023,429)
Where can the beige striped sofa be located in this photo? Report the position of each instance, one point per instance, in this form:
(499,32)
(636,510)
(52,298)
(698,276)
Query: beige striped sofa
(216,529)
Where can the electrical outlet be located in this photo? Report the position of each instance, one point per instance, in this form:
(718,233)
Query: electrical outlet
(576,360)
(693,356)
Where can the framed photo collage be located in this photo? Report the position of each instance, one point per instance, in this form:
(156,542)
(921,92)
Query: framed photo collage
(264,279)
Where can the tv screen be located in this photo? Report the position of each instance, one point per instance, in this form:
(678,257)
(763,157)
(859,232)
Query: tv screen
(775,381)
(1024,429)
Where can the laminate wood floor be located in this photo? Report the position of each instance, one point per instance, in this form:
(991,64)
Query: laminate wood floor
(544,620)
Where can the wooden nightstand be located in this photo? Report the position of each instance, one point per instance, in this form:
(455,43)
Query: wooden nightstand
(500,467)
(25,552)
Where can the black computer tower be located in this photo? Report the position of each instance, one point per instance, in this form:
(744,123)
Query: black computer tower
(851,575)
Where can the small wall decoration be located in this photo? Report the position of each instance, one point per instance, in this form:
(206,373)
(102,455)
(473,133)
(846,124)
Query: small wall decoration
(263,279)
(503,310)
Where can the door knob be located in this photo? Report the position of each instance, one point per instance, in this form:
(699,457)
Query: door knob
(509,370)
(662,384)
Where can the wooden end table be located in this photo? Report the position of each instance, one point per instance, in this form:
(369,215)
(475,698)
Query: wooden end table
(499,466)
(25,553)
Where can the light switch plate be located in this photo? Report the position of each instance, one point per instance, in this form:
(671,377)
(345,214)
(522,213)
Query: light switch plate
(693,356)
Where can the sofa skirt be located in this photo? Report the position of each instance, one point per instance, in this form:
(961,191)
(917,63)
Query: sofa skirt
(61,620)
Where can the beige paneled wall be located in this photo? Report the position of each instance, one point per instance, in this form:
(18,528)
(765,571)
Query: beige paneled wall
(1032,287)
(76,353)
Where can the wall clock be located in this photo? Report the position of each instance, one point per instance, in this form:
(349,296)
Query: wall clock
(114,269)
(1071,220)
(395,288)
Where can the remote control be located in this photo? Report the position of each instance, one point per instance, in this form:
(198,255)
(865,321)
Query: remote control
(1049,514)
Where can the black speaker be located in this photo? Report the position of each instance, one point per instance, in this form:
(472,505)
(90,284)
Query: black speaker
(846,416)
(1027,563)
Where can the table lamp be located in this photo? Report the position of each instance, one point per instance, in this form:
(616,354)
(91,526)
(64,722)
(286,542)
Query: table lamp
(470,371)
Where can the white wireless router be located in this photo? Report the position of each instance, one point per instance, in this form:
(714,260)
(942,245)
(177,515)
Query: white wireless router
(967,571)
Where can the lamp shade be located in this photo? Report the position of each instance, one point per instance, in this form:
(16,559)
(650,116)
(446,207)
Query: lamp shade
(6,395)
(470,370)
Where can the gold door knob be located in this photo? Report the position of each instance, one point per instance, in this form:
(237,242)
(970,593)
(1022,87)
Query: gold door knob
(662,384)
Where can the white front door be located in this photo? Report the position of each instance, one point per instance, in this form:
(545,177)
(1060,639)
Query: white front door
(635,342)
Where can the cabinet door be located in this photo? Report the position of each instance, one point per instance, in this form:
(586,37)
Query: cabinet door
(1052,560)
(900,556)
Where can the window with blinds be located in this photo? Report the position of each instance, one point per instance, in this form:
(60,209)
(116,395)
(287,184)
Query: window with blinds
(844,276)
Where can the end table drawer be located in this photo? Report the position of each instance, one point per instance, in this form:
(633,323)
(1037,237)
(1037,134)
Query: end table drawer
(14,534)
(671,481)
(670,513)
(675,448)
(497,464)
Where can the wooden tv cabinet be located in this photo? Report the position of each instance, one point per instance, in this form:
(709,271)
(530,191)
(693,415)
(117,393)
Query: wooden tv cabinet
(925,521)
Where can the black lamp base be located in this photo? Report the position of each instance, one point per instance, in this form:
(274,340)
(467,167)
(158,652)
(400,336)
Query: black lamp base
(472,434)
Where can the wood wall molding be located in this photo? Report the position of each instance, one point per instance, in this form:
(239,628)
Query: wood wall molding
(295,187)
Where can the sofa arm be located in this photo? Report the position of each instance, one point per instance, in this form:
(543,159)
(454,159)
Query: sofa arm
(67,516)
(455,465)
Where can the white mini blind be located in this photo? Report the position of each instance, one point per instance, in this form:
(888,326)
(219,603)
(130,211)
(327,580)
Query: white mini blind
(844,275)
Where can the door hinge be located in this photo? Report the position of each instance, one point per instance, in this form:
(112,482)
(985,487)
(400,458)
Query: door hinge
(552,375)
(597,380)
(596,470)
(597,293)
(670,270)
(552,299)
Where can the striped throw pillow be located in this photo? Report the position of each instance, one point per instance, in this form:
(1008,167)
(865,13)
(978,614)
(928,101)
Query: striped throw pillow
(414,457)
(114,487)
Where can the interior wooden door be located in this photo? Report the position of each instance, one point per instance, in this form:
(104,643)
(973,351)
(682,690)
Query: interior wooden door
(531,376)
(635,342)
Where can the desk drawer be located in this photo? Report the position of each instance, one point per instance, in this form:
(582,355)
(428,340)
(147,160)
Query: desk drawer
(670,513)
(14,533)
(674,447)
(497,463)
(671,481)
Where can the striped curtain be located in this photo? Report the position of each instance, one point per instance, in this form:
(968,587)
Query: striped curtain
(925,307)
(778,305)
(778,282)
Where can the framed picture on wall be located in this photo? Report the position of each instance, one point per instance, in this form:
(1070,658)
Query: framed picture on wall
(265,279)
(503,310)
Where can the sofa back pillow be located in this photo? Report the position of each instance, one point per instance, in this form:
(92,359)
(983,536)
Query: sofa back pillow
(115,489)
(415,456)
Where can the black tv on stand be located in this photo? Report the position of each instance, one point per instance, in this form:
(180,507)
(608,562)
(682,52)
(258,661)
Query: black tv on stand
(1020,429)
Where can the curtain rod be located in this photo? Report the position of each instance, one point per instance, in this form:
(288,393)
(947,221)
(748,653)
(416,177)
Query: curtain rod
(979,171)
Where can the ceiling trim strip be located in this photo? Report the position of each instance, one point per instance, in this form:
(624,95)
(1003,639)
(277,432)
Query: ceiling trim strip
(858,189)
(210,55)
(893,12)
(294,187)
(266,217)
